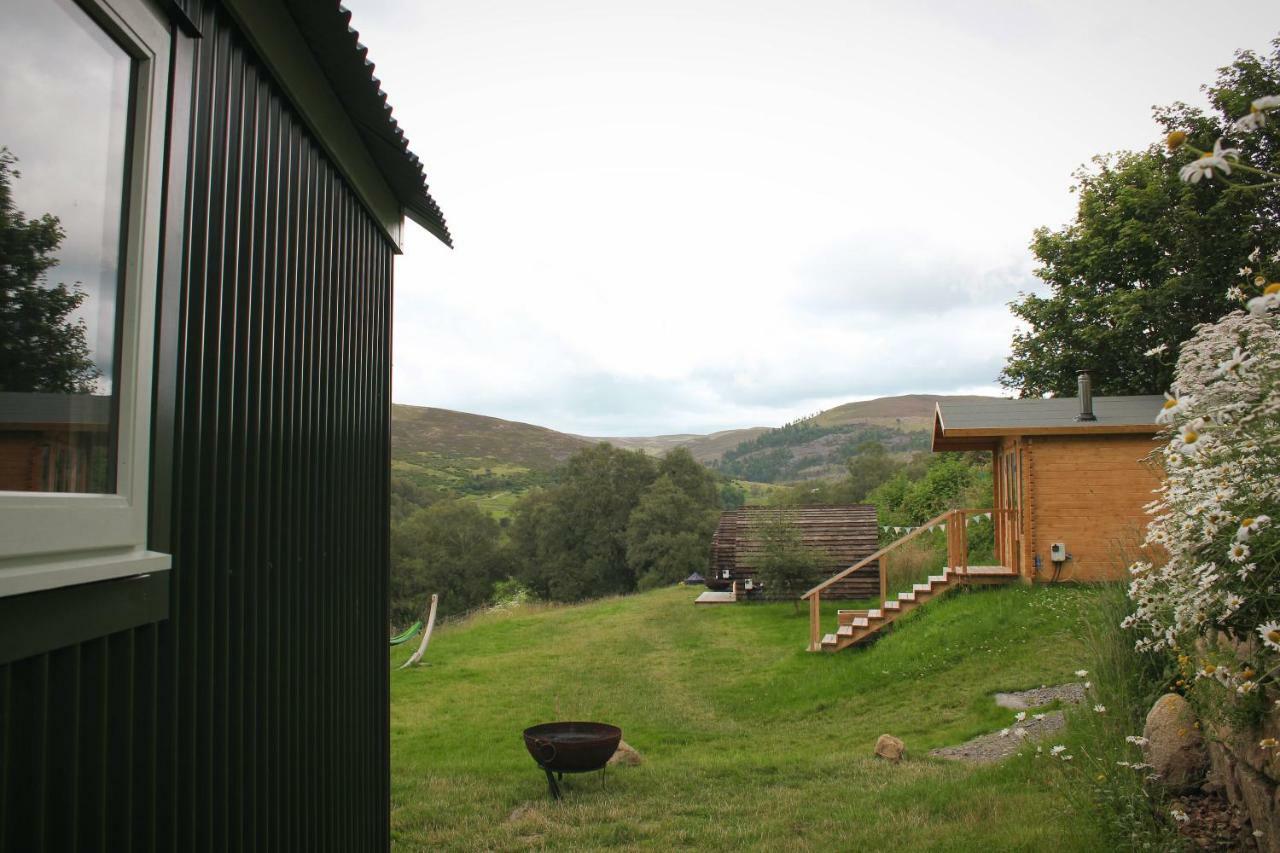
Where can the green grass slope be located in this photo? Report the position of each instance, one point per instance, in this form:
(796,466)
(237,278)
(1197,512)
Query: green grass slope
(748,741)
(704,448)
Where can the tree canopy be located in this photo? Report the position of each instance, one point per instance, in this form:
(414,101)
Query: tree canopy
(1148,257)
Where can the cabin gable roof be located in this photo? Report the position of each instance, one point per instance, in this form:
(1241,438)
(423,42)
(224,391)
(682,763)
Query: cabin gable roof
(976,425)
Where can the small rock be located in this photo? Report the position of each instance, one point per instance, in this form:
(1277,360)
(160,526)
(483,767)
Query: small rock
(1174,747)
(626,755)
(890,748)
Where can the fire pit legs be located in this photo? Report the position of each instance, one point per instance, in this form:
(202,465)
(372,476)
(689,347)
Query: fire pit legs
(552,786)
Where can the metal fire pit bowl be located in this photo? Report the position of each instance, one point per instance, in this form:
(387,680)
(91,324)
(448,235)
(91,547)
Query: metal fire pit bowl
(561,748)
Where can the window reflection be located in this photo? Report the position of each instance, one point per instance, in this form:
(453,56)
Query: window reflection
(64,110)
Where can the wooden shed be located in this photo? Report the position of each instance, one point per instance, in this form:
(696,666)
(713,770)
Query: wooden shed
(843,535)
(1074,472)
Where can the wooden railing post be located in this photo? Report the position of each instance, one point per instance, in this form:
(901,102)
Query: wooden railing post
(884,579)
(815,620)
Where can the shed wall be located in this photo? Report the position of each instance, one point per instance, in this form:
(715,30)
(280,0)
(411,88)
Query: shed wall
(1087,492)
(257,716)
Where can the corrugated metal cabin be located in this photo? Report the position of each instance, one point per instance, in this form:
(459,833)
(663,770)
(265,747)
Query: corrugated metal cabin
(843,535)
(193,641)
(1073,472)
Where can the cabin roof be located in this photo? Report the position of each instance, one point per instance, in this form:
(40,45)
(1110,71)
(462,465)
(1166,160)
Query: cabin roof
(335,44)
(972,425)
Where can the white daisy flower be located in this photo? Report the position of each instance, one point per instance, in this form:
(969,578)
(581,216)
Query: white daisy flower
(1057,750)
(1004,733)
(1137,740)
(1239,358)
(1190,439)
(1239,552)
(1269,299)
(1270,634)
(1088,685)
(1020,716)
(1219,158)
(1249,122)
(1081,673)
(1251,525)
(1246,687)
(1235,294)
(1269,102)
(1157,350)
(1172,407)
(1100,709)
(1179,815)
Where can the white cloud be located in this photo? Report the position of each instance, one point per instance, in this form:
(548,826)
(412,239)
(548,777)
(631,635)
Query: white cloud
(679,216)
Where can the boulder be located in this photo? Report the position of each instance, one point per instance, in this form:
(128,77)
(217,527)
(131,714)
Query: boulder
(625,756)
(890,748)
(1174,746)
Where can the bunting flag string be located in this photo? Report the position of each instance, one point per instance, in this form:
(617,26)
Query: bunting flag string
(901,529)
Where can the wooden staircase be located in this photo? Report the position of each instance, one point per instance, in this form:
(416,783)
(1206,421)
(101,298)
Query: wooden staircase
(856,626)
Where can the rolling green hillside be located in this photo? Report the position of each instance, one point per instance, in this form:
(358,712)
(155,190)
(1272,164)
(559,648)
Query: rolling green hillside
(705,448)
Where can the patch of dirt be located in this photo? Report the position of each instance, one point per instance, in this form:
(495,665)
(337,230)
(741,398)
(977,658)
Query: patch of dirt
(1068,694)
(1213,824)
(998,746)
(985,749)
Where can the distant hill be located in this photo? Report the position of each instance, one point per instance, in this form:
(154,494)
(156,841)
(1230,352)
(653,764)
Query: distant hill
(705,448)
(493,461)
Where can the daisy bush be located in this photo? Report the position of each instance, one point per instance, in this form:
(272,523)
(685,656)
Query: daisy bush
(1212,522)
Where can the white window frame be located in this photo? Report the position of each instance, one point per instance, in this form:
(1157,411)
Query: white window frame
(54,539)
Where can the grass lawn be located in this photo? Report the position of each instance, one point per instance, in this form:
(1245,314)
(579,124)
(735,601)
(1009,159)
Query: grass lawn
(748,740)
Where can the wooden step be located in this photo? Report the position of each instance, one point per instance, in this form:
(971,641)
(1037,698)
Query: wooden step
(921,587)
(844,631)
(892,605)
(906,596)
(938,579)
(874,614)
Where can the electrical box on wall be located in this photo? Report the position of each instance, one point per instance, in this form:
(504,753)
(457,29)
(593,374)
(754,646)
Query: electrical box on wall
(1058,552)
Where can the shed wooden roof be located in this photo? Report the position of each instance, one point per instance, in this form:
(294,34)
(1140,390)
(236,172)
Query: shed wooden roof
(843,535)
(969,424)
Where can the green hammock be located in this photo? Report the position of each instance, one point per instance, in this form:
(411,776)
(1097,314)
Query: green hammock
(408,634)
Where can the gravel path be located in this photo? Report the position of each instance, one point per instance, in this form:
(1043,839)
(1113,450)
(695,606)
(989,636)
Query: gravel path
(996,746)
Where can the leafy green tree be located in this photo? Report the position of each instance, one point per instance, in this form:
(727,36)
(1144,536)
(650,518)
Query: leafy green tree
(868,468)
(786,566)
(41,348)
(669,534)
(570,541)
(450,548)
(690,476)
(1148,257)
(732,494)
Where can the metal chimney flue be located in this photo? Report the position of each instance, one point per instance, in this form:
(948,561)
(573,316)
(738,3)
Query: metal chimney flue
(1085,386)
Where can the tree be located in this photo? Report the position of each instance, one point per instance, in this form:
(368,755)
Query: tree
(690,476)
(570,541)
(1148,257)
(870,466)
(669,534)
(41,348)
(450,548)
(786,567)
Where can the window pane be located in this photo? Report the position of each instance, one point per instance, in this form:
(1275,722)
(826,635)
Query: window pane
(64,121)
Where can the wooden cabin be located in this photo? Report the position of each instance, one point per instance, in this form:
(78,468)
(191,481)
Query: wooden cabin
(1072,474)
(842,535)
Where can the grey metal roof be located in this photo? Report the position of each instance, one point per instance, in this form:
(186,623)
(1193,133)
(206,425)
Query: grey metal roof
(1056,413)
(326,26)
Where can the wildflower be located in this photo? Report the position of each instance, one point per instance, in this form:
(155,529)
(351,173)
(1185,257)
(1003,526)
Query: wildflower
(1235,294)
(1019,733)
(1239,552)
(1269,299)
(1100,709)
(1219,158)
(1251,525)
(1239,358)
(1081,673)
(1268,743)
(1037,716)
(1269,102)
(1157,350)
(1246,687)
(1270,634)
(1179,815)
(1137,740)
(1088,685)
(1067,757)
(1057,750)
(1189,438)
(1020,716)
(1250,121)
(1172,406)
(1004,733)
(1175,139)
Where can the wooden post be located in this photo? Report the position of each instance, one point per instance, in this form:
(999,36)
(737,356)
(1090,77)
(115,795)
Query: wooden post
(815,621)
(884,580)
(426,635)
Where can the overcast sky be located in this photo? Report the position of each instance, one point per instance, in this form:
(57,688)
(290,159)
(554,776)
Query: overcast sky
(698,215)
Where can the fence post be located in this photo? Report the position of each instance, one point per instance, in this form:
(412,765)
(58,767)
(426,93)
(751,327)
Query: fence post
(884,579)
(815,619)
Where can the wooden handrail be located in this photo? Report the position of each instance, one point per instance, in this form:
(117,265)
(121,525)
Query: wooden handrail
(933,522)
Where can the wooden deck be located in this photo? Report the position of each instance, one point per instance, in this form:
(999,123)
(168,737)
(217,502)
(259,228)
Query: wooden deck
(713,597)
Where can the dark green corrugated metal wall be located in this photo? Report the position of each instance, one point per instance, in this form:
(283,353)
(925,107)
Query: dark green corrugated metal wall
(256,717)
